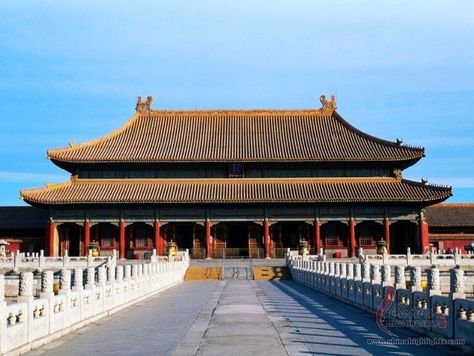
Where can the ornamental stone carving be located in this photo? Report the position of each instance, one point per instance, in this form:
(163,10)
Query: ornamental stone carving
(47,281)
(457,280)
(415,276)
(342,270)
(90,276)
(144,106)
(328,105)
(78,280)
(386,274)
(26,284)
(400,275)
(65,280)
(366,272)
(336,269)
(2,288)
(350,271)
(101,275)
(111,274)
(357,271)
(375,273)
(128,272)
(134,271)
(434,282)
(331,268)
(119,273)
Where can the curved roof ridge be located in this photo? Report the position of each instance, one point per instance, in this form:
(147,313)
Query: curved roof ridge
(266,180)
(398,144)
(95,141)
(236,135)
(243,112)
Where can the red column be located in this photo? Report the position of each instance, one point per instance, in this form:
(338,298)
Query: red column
(87,237)
(159,240)
(52,228)
(386,226)
(352,238)
(317,236)
(424,235)
(208,239)
(122,238)
(266,237)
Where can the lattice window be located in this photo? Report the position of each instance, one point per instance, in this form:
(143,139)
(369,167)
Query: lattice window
(332,241)
(141,242)
(366,241)
(107,242)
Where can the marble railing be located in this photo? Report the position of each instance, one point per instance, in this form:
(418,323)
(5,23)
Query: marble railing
(383,290)
(409,259)
(22,261)
(85,295)
(450,260)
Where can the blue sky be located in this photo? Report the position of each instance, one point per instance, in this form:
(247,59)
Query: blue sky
(400,69)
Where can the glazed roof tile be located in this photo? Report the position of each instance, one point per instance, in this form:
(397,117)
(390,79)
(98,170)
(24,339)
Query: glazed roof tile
(456,236)
(236,136)
(450,214)
(235,190)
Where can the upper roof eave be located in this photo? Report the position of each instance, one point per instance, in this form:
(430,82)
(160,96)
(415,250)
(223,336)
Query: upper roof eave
(74,154)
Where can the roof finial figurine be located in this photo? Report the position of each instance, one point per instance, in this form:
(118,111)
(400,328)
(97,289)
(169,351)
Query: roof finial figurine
(144,106)
(399,142)
(328,105)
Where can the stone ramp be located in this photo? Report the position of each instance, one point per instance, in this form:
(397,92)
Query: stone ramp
(196,273)
(263,273)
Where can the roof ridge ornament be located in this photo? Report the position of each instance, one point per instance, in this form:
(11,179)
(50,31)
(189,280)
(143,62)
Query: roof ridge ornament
(144,106)
(328,105)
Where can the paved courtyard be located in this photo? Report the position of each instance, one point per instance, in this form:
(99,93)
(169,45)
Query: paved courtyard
(235,318)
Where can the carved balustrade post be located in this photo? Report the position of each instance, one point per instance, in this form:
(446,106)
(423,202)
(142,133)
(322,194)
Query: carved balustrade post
(400,282)
(366,272)
(434,283)
(374,274)
(119,275)
(2,288)
(90,277)
(127,272)
(456,282)
(26,284)
(134,271)
(357,271)
(415,279)
(78,279)
(65,281)
(350,270)
(111,274)
(101,275)
(386,275)
(343,270)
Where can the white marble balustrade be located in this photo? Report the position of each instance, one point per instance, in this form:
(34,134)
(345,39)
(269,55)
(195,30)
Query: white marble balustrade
(85,295)
(369,285)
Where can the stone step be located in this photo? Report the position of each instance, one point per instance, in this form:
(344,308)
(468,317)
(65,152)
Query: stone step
(264,273)
(203,273)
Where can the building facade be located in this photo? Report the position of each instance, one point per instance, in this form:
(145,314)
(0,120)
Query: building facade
(236,182)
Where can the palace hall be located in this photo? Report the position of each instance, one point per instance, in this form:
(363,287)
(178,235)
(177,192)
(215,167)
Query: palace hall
(236,183)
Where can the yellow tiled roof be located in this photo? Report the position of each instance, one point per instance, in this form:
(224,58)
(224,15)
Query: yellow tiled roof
(236,136)
(235,190)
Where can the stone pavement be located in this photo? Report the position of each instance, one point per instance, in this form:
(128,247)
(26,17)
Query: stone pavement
(151,327)
(236,318)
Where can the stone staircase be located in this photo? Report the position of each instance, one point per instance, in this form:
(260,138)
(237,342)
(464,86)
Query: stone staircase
(196,273)
(264,273)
